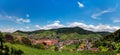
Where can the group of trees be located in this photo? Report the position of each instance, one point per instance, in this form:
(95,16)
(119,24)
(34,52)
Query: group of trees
(16,39)
(62,33)
(110,42)
(22,40)
(5,50)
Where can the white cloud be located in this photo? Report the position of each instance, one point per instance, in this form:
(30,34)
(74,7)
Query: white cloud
(27,27)
(96,15)
(22,29)
(57,21)
(57,24)
(116,20)
(80,4)
(38,26)
(95,28)
(10,29)
(14,19)
(54,25)
(21,20)
(74,24)
(7,29)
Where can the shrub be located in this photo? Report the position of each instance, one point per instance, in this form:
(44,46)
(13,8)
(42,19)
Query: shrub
(26,41)
(103,49)
(9,38)
(40,46)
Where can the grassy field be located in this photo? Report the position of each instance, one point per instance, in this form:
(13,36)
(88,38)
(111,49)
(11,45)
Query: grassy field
(33,51)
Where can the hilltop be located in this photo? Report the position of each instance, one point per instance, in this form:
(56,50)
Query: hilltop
(63,33)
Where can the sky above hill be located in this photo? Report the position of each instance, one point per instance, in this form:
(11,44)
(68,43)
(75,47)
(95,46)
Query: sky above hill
(29,15)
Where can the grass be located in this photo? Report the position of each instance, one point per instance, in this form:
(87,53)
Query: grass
(33,51)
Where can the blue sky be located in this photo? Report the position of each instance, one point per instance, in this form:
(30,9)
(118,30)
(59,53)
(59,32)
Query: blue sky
(29,15)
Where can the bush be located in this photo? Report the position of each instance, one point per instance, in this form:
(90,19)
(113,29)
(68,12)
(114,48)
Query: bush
(26,41)
(40,46)
(117,45)
(103,49)
(9,38)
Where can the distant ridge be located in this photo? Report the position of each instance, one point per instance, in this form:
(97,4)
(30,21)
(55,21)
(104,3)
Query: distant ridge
(65,30)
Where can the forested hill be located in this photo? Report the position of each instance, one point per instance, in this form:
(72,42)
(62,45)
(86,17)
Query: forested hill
(103,33)
(114,37)
(63,33)
(109,42)
(66,30)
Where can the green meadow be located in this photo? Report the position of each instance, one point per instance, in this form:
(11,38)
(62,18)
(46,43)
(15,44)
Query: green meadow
(34,51)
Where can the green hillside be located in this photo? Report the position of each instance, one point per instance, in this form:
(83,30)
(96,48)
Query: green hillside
(113,37)
(110,42)
(63,33)
(107,45)
(33,51)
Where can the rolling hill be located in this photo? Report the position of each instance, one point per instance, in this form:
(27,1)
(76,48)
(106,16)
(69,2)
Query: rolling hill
(63,33)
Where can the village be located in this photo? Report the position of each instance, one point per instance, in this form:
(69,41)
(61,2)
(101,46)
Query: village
(81,44)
